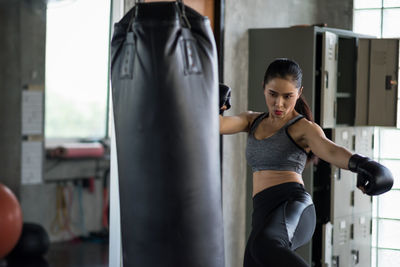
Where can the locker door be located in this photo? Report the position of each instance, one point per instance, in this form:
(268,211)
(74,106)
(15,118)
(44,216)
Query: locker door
(342,182)
(364,146)
(329,79)
(341,251)
(361,243)
(364,143)
(327,245)
(377,82)
(383,78)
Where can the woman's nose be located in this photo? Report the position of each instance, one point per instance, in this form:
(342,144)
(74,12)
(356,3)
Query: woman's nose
(279,102)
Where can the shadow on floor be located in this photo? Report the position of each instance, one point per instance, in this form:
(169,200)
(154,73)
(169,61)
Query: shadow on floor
(67,254)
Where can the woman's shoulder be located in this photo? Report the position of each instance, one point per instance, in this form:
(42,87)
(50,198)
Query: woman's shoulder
(249,117)
(252,115)
(307,127)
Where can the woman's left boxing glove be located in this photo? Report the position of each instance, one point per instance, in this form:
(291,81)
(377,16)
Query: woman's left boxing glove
(373,178)
(224,97)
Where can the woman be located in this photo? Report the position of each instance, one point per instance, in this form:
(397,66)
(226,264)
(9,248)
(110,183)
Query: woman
(279,144)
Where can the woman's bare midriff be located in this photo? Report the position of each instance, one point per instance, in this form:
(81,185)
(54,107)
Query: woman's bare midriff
(267,178)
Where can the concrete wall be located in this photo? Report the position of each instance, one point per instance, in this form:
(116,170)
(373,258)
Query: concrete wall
(337,14)
(240,16)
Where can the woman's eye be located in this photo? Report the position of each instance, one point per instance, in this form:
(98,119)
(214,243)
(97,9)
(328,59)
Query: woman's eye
(288,96)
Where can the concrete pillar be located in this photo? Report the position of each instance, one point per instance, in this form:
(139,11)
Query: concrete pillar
(22,57)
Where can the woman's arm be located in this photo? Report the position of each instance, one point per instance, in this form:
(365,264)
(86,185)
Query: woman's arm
(372,177)
(324,148)
(236,124)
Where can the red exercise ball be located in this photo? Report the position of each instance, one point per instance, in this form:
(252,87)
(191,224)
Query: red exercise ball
(10,220)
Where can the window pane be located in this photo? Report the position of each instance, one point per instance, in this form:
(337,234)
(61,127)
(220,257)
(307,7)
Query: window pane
(389,143)
(391,3)
(367,22)
(373,257)
(367,3)
(394,167)
(391,23)
(389,205)
(374,207)
(373,237)
(77,68)
(388,258)
(389,234)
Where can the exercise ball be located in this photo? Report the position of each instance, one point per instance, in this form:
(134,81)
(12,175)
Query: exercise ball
(10,220)
(34,242)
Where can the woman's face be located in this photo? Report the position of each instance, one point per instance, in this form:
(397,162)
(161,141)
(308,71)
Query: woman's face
(281,96)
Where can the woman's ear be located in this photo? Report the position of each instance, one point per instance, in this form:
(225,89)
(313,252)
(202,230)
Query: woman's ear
(300,92)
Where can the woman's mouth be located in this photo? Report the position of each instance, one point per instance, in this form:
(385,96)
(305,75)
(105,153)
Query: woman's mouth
(278,112)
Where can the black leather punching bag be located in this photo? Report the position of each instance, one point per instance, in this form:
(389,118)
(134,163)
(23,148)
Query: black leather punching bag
(165,98)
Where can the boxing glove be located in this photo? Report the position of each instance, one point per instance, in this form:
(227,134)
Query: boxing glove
(372,177)
(224,97)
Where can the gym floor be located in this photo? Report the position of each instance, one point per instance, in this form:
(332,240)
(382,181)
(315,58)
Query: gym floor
(69,254)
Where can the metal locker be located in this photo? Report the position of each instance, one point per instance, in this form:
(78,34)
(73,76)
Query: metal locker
(344,136)
(327,243)
(329,79)
(377,82)
(342,181)
(384,68)
(341,249)
(342,198)
(361,240)
(364,145)
(364,141)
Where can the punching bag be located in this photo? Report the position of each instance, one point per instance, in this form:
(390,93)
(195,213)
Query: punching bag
(165,99)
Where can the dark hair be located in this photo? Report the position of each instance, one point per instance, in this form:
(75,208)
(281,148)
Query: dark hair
(289,70)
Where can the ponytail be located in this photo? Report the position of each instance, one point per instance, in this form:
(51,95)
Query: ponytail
(303,108)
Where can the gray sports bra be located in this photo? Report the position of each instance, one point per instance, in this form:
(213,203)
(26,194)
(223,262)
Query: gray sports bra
(277,152)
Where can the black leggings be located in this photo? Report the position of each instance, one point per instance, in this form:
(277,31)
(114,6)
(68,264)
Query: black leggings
(283,220)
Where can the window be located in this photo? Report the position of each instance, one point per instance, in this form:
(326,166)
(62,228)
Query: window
(380,18)
(386,214)
(77,49)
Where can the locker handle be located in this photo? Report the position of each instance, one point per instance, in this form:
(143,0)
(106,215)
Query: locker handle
(373,142)
(352,231)
(326,79)
(389,82)
(356,256)
(335,261)
(352,198)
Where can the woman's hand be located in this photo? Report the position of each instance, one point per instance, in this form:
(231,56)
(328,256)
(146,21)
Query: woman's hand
(224,98)
(372,177)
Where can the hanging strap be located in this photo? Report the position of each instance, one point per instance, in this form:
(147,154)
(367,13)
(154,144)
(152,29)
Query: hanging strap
(180,7)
